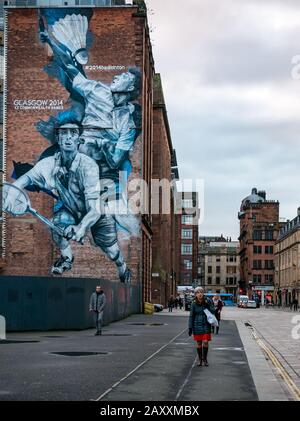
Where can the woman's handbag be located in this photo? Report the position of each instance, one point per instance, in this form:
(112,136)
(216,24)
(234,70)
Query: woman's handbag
(211,318)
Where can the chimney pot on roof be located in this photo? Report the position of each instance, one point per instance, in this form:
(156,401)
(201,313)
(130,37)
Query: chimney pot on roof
(298,211)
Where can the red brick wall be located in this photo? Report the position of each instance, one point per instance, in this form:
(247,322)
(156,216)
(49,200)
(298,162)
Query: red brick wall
(161,224)
(266,213)
(120,38)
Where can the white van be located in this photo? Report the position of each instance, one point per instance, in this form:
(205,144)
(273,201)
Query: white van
(242,301)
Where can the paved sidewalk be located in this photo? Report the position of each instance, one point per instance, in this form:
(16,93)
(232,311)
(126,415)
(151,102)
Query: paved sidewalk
(275,328)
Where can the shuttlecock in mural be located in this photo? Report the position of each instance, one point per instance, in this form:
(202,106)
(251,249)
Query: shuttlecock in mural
(71,31)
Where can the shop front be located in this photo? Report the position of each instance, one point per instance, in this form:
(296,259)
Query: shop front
(265,294)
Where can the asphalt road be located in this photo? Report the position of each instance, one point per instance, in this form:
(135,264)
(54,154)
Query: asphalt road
(142,358)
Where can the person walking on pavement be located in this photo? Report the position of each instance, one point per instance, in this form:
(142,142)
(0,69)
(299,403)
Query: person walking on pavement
(171,302)
(97,305)
(295,304)
(180,302)
(218,308)
(198,324)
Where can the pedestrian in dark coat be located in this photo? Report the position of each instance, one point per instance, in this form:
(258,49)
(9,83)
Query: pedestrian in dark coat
(171,303)
(218,304)
(97,305)
(198,324)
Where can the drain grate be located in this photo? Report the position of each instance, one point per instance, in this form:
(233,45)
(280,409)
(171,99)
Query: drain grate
(79,354)
(6,341)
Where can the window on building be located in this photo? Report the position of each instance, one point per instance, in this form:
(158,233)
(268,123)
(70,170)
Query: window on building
(269,264)
(269,234)
(209,269)
(187,219)
(187,203)
(218,280)
(186,249)
(209,259)
(218,259)
(188,264)
(230,281)
(256,279)
(257,249)
(269,279)
(209,280)
(187,233)
(257,235)
(269,249)
(218,269)
(257,264)
(231,259)
(230,269)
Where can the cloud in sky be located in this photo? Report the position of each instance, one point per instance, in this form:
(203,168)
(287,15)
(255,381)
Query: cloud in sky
(226,70)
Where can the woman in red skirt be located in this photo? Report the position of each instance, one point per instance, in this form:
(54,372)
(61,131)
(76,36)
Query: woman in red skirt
(198,324)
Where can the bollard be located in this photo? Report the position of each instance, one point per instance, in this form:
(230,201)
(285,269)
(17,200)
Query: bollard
(2,328)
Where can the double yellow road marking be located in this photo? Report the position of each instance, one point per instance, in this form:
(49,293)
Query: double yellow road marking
(294,389)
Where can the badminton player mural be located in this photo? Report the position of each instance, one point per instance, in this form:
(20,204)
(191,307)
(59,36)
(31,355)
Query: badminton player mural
(90,146)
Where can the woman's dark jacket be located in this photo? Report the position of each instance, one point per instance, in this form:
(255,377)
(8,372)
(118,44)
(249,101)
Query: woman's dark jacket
(198,320)
(218,310)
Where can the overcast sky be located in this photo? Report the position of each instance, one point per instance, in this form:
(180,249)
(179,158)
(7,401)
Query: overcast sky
(233,105)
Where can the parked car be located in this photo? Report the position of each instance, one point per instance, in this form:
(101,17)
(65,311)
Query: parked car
(251,304)
(158,307)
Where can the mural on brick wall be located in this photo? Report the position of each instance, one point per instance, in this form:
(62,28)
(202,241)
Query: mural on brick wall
(86,165)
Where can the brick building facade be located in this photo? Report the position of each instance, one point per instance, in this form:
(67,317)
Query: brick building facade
(123,34)
(1,120)
(165,222)
(287,263)
(189,233)
(259,228)
(222,267)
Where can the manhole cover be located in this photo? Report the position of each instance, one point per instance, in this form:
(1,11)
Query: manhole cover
(79,354)
(6,341)
(147,324)
(53,336)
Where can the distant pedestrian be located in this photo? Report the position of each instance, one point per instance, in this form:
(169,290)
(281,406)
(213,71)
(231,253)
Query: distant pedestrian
(295,304)
(97,305)
(198,324)
(218,304)
(171,303)
(180,302)
(176,303)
